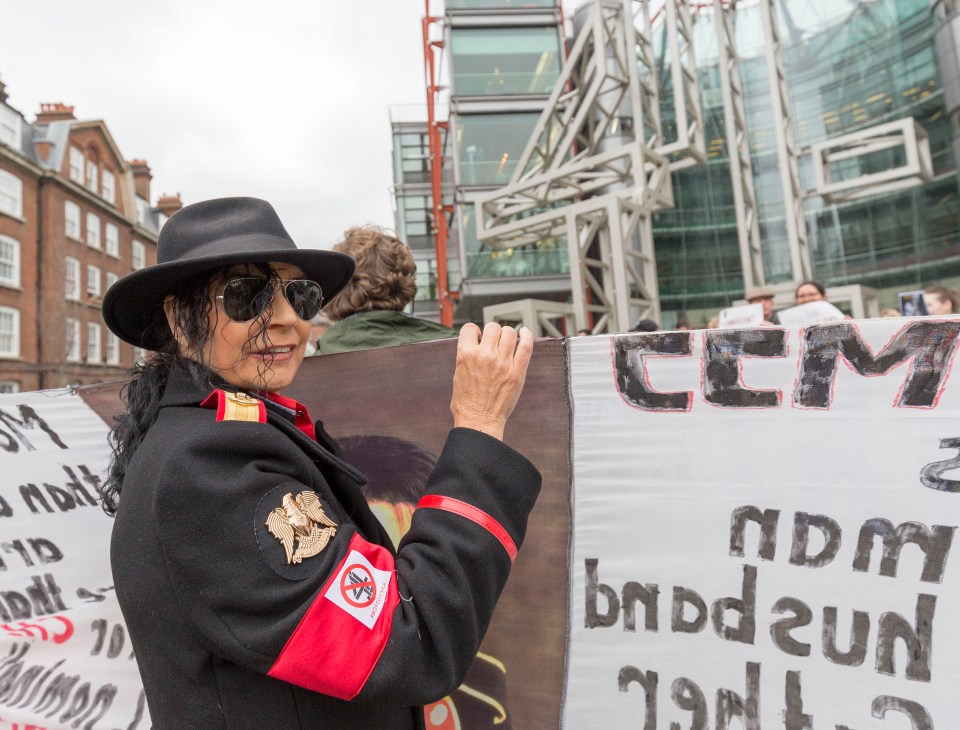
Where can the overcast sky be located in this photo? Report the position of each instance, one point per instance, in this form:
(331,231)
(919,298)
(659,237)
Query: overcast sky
(286,100)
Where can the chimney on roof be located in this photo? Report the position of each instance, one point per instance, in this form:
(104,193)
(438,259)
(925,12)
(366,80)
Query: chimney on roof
(169,204)
(141,178)
(55,112)
(3,92)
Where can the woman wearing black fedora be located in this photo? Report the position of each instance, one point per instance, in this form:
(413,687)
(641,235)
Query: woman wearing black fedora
(258,588)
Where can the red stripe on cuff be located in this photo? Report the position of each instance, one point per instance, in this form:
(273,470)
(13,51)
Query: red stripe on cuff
(474,514)
(335,647)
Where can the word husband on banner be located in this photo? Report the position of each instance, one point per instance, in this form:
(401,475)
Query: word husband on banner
(770,546)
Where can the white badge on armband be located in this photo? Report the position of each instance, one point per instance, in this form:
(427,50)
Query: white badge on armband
(360,589)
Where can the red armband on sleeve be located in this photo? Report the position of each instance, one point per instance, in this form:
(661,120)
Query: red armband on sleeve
(342,635)
(474,514)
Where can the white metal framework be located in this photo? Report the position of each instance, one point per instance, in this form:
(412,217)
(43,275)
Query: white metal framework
(597,165)
(904,134)
(538,315)
(786,141)
(738,145)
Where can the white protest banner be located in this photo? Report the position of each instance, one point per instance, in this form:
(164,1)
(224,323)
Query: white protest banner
(744,315)
(810,313)
(65,658)
(763,529)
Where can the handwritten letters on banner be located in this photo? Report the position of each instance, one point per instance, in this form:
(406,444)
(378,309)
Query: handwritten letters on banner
(771,546)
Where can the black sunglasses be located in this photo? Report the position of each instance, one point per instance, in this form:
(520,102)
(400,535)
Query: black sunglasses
(246,298)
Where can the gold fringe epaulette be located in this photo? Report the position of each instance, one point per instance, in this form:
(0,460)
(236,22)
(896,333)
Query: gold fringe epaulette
(236,406)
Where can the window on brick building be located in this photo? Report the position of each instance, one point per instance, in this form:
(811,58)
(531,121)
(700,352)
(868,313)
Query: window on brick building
(93,280)
(92,175)
(11,194)
(93,343)
(9,127)
(9,386)
(72,343)
(143,210)
(76,165)
(139,257)
(111,279)
(72,218)
(72,276)
(9,332)
(109,187)
(113,349)
(93,230)
(112,239)
(9,261)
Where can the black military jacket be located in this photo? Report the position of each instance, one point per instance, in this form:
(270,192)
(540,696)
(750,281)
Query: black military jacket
(231,630)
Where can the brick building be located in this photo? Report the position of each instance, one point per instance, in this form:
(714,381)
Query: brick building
(74,217)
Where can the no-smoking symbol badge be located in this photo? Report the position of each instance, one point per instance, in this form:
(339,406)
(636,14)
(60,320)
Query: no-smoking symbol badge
(360,589)
(357,586)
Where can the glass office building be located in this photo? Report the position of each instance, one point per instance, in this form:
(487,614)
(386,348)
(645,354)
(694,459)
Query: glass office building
(413,206)
(849,66)
(505,59)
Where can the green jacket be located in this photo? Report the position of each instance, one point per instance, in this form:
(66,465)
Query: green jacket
(379,328)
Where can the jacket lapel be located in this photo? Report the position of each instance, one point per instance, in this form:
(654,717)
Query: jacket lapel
(344,480)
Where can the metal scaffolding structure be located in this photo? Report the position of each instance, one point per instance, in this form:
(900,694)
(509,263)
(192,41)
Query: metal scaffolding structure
(597,165)
(786,141)
(432,53)
(738,145)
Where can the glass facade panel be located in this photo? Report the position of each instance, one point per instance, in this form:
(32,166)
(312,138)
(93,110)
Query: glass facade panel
(547,256)
(411,157)
(848,69)
(489,145)
(490,61)
(415,221)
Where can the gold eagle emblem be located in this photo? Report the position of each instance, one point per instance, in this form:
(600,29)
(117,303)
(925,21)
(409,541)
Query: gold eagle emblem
(303,520)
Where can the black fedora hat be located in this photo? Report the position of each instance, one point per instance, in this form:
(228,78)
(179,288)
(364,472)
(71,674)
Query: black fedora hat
(202,237)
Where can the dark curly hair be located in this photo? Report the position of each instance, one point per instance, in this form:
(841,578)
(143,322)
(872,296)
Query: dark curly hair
(187,349)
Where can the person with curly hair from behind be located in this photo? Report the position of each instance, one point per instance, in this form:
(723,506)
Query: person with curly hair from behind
(368,312)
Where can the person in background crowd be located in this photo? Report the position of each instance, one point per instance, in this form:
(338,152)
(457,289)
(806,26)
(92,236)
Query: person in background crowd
(645,325)
(764,295)
(368,311)
(318,325)
(257,586)
(941,300)
(890,312)
(810,291)
(683,325)
(584,332)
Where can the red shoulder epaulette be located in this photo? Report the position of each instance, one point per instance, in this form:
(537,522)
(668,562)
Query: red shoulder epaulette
(235,406)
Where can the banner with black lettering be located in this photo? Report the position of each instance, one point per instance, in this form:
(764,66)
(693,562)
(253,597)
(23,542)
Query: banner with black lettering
(65,658)
(764,524)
